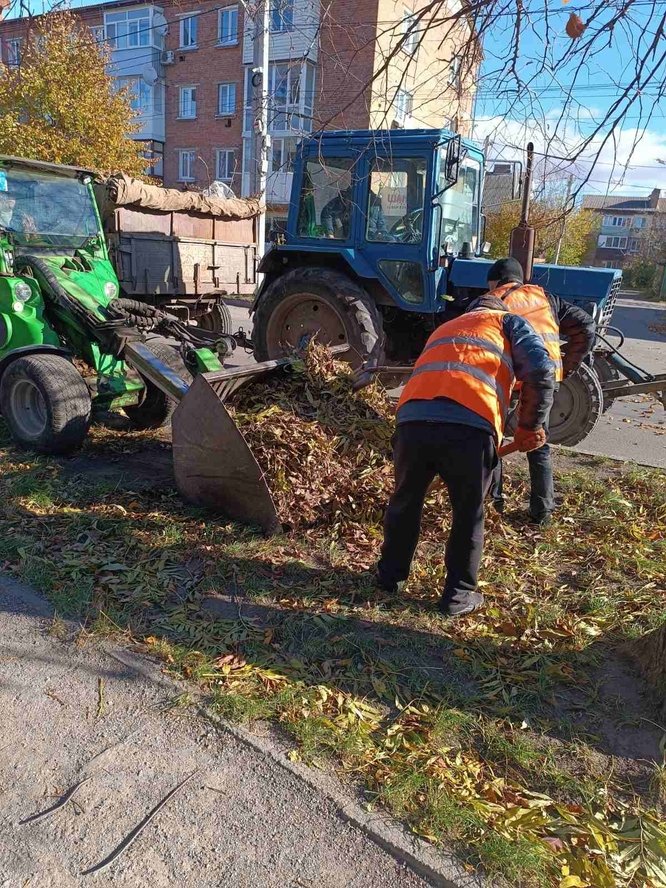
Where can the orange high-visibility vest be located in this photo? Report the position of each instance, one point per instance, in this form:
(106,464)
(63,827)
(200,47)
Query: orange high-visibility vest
(469,361)
(532,304)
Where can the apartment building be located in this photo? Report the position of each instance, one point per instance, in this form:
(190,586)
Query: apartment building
(628,227)
(358,64)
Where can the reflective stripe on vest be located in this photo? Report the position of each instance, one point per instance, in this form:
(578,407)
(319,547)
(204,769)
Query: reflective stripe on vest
(469,361)
(532,304)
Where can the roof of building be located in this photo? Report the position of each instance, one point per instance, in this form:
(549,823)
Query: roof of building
(629,202)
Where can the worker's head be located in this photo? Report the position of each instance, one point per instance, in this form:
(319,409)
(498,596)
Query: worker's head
(505,271)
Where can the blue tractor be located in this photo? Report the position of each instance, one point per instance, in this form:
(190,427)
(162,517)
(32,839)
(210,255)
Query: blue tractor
(383,244)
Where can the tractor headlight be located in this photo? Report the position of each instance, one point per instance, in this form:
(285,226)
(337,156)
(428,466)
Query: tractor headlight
(110,290)
(22,292)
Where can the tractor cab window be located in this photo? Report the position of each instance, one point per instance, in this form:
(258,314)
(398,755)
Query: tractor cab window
(395,199)
(325,207)
(460,206)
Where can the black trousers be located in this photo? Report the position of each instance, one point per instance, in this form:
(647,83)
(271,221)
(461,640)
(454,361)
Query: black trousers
(464,458)
(542,487)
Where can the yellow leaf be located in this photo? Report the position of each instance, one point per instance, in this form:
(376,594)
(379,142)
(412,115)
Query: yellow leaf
(573,882)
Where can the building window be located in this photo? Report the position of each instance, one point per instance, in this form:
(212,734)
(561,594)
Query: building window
(14,47)
(617,221)
(187,103)
(282,155)
(129,29)
(188,32)
(140,93)
(612,242)
(411,38)
(186,161)
(97,33)
(404,102)
(634,245)
(227,30)
(291,90)
(154,154)
(282,16)
(225,164)
(226,99)
(638,222)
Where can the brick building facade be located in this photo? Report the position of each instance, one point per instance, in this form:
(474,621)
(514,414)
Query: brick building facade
(354,64)
(630,227)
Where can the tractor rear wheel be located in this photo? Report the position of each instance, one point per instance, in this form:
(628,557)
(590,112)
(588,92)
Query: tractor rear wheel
(156,408)
(577,406)
(309,302)
(45,403)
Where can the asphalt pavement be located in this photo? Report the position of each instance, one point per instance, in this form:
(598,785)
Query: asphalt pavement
(634,428)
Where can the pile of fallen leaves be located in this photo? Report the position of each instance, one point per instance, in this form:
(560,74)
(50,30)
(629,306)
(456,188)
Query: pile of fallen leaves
(324,449)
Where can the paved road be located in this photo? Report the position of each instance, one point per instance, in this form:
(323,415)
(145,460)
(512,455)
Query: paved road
(634,428)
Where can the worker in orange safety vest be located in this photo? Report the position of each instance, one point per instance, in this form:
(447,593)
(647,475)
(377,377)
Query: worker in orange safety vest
(450,420)
(554,320)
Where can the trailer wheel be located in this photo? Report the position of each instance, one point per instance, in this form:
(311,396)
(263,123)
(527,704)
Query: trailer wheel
(156,408)
(606,373)
(577,406)
(317,301)
(217,320)
(45,403)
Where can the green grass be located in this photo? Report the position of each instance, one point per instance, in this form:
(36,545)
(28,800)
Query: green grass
(450,726)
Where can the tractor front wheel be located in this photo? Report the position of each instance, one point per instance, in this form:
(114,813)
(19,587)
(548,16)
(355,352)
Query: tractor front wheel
(577,406)
(45,403)
(317,303)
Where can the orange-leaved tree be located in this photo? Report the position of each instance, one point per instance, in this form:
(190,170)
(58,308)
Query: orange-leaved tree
(60,104)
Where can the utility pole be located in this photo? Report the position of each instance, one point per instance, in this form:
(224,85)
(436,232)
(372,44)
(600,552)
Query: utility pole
(564,219)
(260,138)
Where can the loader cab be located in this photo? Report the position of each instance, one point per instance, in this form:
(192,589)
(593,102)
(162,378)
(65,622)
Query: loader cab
(389,207)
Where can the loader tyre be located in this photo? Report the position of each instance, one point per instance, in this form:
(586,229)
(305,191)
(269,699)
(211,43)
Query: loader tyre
(307,302)
(46,403)
(217,320)
(577,406)
(156,408)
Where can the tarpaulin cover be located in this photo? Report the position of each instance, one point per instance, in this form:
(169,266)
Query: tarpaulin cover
(124,191)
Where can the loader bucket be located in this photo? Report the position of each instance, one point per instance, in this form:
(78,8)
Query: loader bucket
(213,464)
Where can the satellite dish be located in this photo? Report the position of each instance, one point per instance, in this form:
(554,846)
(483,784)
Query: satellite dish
(150,75)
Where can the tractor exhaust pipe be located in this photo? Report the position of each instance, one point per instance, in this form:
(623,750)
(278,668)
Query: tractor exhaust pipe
(521,241)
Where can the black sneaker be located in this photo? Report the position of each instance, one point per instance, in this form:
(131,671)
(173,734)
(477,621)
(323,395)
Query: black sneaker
(390,588)
(541,520)
(471,602)
(498,505)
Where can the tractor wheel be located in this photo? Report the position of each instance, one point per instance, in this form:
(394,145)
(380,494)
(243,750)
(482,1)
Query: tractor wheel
(156,408)
(577,406)
(606,373)
(45,403)
(217,320)
(319,302)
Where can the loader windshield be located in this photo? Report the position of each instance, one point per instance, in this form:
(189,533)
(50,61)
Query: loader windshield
(44,209)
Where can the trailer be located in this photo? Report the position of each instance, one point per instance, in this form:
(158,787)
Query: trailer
(180,251)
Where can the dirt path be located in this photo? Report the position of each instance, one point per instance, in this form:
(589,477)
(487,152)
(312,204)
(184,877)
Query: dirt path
(71,711)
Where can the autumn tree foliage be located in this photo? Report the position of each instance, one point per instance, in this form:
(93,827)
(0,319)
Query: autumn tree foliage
(576,227)
(60,105)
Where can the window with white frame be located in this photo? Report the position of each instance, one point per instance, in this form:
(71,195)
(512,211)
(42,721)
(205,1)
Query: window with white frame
(129,28)
(97,33)
(226,99)
(186,160)
(612,242)
(617,221)
(14,51)
(282,155)
(411,38)
(638,222)
(403,104)
(140,93)
(227,26)
(291,88)
(634,244)
(282,16)
(187,102)
(188,31)
(225,164)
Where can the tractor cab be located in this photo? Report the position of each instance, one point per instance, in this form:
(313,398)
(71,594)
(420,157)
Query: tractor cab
(386,207)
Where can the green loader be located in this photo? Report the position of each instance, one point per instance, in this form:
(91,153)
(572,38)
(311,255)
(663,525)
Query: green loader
(71,345)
